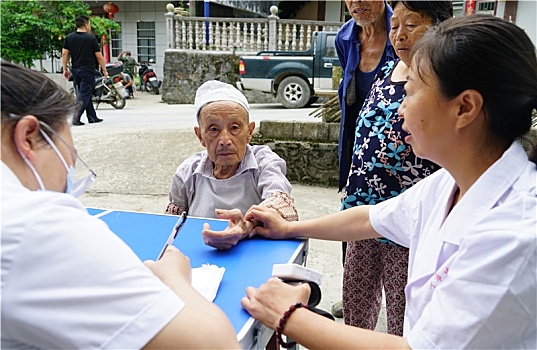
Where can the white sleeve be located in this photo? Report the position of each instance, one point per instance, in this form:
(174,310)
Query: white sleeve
(488,298)
(72,283)
(401,219)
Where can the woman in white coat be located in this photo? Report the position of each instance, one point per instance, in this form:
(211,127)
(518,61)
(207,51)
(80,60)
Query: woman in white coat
(67,281)
(470,227)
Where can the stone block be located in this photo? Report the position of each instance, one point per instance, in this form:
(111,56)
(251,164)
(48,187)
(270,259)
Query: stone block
(185,70)
(273,129)
(317,132)
(333,132)
(309,163)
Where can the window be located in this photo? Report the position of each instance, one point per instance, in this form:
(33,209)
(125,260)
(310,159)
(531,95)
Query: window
(486,8)
(116,44)
(329,49)
(146,41)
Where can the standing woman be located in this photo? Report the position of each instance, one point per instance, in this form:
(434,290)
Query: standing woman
(383,166)
(470,226)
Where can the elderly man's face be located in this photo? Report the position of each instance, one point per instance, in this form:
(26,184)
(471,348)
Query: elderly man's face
(224,131)
(365,13)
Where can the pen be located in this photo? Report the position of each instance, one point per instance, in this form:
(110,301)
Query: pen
(178,225)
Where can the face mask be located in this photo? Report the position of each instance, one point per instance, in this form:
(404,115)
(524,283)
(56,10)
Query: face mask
(75,188)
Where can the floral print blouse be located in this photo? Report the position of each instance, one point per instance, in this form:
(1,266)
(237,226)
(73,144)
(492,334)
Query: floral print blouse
(383,165)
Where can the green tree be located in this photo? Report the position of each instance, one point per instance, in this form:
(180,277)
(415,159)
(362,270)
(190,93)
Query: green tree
(31,29)
(102,26)
(61,16)
(23,31)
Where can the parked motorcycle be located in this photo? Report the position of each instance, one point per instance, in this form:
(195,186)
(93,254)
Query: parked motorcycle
(149,78)
(105,91)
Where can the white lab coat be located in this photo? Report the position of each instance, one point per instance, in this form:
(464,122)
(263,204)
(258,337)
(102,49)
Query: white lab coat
(68,282)
(472,274)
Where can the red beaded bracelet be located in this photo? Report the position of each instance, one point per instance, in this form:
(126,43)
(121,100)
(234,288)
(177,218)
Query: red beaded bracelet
(283,320)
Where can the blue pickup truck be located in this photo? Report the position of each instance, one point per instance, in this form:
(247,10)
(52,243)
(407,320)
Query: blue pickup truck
(296,78)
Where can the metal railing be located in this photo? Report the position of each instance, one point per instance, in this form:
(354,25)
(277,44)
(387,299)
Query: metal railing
(242,34)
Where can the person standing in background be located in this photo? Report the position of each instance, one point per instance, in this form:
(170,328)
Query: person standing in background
(362,46)
(84,51)
(383,166)
(130,66)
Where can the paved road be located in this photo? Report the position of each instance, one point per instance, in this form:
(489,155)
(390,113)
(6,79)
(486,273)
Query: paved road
(136,150)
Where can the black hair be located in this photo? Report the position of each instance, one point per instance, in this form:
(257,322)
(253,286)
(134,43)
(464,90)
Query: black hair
(492,56)
(438,11)
(28,92)
(81,21)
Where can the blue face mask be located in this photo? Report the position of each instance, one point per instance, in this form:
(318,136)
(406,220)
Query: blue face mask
(75,188)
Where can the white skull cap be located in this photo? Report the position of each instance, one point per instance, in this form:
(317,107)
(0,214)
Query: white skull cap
(214,90)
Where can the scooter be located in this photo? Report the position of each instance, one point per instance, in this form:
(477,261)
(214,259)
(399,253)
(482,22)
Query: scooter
(149,78)
(106,91)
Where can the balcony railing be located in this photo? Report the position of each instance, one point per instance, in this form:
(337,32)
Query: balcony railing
(242,34)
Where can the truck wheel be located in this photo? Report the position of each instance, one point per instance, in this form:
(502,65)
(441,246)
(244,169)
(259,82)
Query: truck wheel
(312,101)
(294,92)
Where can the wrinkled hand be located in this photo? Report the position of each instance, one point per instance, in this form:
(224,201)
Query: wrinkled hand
(272,224)
(237,229)
(272,299)
(172,266)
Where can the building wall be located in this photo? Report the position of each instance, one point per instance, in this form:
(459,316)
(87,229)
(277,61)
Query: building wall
(334,11)
(526,12)
(130,12)
(525,18)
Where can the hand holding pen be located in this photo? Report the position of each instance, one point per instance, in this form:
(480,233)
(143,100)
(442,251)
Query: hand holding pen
(178,225)
(175,263)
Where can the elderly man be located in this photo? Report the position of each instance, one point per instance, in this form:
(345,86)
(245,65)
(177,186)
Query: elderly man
(363,46)
(230,176)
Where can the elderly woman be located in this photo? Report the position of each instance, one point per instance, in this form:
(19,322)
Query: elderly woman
(230,176)
(470,226)
(383,166)
(59,260)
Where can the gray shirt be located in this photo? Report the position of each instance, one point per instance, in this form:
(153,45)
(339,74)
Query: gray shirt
(260,173)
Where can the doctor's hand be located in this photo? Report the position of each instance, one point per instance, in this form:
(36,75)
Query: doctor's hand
(269,302)
(271,223)
(237,229)
(172,267)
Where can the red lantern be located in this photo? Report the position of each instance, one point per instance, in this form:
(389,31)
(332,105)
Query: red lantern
(111,8)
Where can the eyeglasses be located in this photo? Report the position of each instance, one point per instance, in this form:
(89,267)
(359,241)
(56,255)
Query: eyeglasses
(81,185)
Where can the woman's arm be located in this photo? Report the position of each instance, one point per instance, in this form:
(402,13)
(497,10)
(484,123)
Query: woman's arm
(273,299)
(200,324)
(347,225)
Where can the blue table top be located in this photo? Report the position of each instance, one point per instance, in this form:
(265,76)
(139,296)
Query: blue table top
(249,263)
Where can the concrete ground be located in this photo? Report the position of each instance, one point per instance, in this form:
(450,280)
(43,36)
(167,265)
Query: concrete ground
(136,150)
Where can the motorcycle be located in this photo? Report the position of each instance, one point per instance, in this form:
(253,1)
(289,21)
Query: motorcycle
(106,91)
(149,78)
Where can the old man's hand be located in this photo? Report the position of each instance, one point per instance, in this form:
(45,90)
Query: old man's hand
(237,229)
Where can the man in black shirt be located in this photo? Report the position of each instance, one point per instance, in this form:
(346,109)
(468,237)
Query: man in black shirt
(84,50)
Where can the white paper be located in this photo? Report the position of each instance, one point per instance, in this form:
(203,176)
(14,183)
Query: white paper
(206,280)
